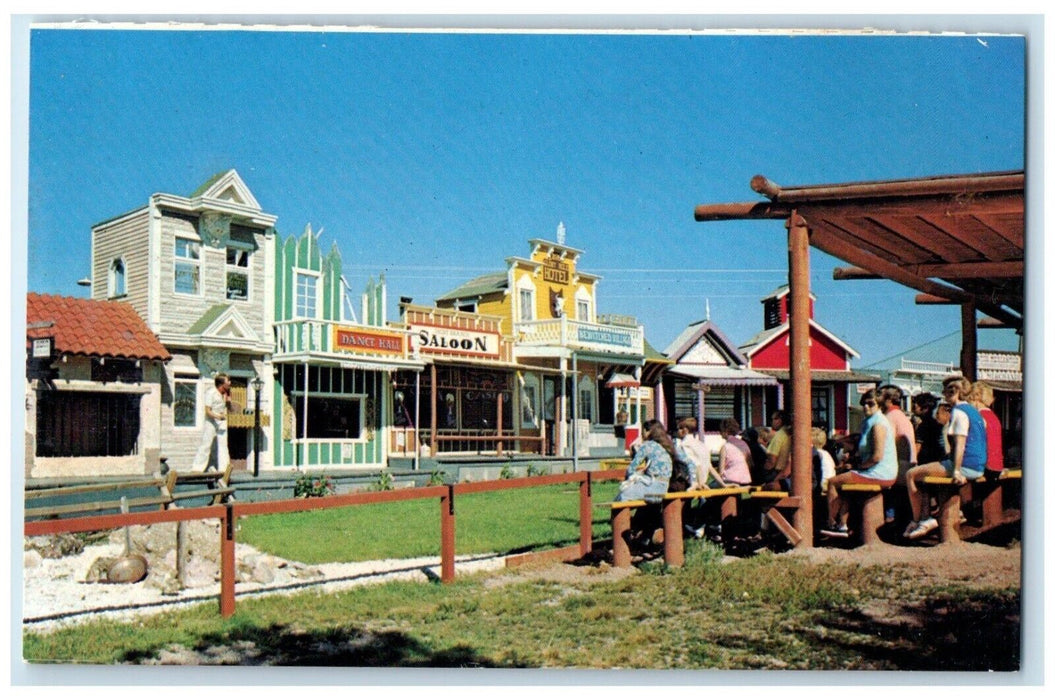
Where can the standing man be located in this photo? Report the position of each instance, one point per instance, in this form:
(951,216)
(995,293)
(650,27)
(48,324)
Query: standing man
(217,401)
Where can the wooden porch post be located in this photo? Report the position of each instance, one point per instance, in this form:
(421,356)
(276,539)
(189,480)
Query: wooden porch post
(969,347)
(434,446)
(799,310)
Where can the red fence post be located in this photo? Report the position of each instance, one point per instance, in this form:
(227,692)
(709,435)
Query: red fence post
(585,515)
(447,536)
(227,567)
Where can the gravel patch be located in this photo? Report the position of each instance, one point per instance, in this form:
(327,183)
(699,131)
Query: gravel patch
(62,588)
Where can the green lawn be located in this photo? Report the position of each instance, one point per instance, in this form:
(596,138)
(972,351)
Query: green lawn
(502,521)
(763,612)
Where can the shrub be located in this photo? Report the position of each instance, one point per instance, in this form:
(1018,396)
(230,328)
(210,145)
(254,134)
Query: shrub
(437,477)
(537,469)
(384,482)
(308,486)
(506,473)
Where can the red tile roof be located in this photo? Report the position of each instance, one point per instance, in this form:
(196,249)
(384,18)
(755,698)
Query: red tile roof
(94,328)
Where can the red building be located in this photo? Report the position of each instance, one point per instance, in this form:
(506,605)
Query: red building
(832,379)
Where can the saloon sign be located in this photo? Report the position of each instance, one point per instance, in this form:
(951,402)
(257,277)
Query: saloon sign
(454,341)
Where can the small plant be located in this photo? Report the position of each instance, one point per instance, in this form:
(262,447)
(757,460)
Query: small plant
(384,482)
(506,473)
(437,477)
(537,469)
(308,486)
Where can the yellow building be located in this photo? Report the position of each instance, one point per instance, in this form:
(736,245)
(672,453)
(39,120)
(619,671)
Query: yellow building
(602,371)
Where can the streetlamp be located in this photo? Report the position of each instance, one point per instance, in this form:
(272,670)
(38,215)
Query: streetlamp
(258,386)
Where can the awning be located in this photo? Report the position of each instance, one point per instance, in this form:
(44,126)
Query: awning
(723,376)
(828,375)
(619,380)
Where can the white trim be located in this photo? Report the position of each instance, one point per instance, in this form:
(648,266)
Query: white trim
(154,282)
(361,398)
(317,276)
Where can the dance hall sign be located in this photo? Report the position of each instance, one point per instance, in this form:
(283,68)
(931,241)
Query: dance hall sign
(368,342)
(441,340)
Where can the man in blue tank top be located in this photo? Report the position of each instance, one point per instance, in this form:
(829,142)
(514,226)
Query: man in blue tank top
(966,460)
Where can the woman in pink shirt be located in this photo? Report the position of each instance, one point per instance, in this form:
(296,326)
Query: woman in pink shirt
(734,459)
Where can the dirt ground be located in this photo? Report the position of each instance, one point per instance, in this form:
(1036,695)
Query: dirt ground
(971,564)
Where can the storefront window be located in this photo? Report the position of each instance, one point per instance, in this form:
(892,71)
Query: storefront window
(332,417)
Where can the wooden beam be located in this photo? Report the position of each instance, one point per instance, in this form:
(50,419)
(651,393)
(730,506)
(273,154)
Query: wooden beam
(742,210)
(957,271)
(832,245)
(969,349)
(932,299)
(854,273)
(801,409)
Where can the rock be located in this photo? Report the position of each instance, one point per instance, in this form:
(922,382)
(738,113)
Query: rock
(262,573)
(97,571)
(31,559)
(56,546)
(250,560)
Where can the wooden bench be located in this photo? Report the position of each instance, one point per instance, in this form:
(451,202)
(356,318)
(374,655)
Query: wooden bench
(950,496)
(866,504)
(672,504)
(770,503)
(216,488)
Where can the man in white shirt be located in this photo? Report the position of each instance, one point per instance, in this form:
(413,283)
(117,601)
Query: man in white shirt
(217,400)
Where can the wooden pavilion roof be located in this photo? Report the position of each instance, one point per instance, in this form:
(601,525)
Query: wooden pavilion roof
(956,238)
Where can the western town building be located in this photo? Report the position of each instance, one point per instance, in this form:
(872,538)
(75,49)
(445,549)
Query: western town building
(592,367)
(95,385)
(198,270)
(333,372)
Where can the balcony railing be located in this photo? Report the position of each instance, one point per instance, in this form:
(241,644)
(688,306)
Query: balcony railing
(302,336)
(569,333)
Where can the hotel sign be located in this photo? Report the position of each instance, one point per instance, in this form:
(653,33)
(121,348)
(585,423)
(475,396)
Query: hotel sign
(555,270)
(442,340)
(370,342)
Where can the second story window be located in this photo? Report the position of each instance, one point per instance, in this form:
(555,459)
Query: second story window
(188,266)
(306,294)
(237,274)
(527,305)
(116,282)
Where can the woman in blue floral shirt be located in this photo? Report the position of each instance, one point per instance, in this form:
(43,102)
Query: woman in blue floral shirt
(648,474)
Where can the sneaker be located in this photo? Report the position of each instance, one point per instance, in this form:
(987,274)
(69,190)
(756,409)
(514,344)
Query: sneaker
(911,526)
(925,527)
(836,531)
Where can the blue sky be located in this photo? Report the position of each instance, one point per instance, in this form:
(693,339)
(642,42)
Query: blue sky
(433,157)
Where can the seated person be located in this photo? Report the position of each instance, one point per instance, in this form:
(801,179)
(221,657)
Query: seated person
(877,457)
(968,454)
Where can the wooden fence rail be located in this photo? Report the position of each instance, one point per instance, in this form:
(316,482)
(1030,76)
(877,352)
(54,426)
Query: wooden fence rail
(229,513)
